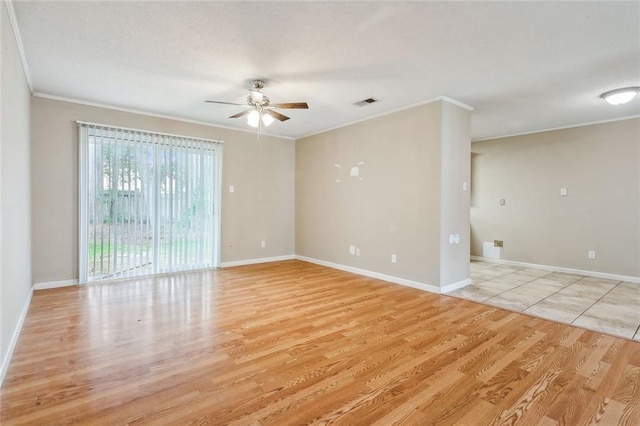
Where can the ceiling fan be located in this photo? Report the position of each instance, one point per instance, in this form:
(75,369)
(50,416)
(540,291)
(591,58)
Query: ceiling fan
(259,107)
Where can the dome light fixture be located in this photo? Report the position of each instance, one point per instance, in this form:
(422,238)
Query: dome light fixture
(620,96)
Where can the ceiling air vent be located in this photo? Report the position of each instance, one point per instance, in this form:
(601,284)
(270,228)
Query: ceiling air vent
(366,101)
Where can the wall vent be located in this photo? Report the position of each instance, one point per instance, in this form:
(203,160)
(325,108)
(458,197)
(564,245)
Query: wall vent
(367,101)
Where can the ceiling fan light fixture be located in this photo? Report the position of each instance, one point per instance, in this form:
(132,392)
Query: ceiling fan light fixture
(253,119)
(620,96)
(259,110)
(267,119)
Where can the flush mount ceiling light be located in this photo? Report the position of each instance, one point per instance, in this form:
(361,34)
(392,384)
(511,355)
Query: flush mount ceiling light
(620,96)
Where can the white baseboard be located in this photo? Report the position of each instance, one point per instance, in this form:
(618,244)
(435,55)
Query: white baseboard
(396,280)
(68,283)
(455,286)
(258,260)
(595,274)
(6,359)
(54,284)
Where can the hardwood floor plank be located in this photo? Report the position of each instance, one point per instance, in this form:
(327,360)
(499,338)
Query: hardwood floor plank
(546,421)
(296,343)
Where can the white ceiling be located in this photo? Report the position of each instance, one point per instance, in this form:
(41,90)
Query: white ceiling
(523,66)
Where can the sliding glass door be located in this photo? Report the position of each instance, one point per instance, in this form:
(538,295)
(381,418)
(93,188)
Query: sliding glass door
(149,203)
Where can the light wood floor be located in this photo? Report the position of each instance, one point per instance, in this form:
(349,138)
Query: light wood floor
(293,343)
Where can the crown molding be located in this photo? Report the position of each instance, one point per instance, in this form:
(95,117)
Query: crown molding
(18,37)
(393,111)
(611,120)
(150,114)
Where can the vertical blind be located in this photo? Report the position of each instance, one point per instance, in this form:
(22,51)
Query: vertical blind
(149,202)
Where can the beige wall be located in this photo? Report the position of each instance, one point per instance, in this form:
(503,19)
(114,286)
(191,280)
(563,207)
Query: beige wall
(600,167)
(15,222)
(392,207)
(260,208)
(455,200)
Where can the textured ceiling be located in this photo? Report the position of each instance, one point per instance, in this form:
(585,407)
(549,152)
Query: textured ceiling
(523,66)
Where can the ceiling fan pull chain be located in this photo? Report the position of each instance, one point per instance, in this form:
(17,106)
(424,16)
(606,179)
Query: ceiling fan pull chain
(259,130)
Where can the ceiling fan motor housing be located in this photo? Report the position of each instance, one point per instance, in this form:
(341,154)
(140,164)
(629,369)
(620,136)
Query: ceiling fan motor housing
(258,99)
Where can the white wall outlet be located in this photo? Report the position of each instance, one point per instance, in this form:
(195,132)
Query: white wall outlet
(456,238)
(592,254)
(263,243)
(394,258)
(452,239)
(231,188)
(358,251)
(352,249)
(355,171)
(503,201)
(464,186)
(564,192)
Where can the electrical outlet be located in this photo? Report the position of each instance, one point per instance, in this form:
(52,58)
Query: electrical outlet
(498,243)
(352,249)
(263,243)
(564,192)
(591,254)
(394,258)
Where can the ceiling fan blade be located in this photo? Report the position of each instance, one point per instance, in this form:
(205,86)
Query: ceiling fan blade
(276,115)
(291,105)
(225,103)
(241,113)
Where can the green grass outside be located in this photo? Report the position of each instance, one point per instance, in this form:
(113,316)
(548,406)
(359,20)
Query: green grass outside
(106,250)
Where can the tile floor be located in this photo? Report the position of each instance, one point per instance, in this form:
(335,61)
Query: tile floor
(598,304)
